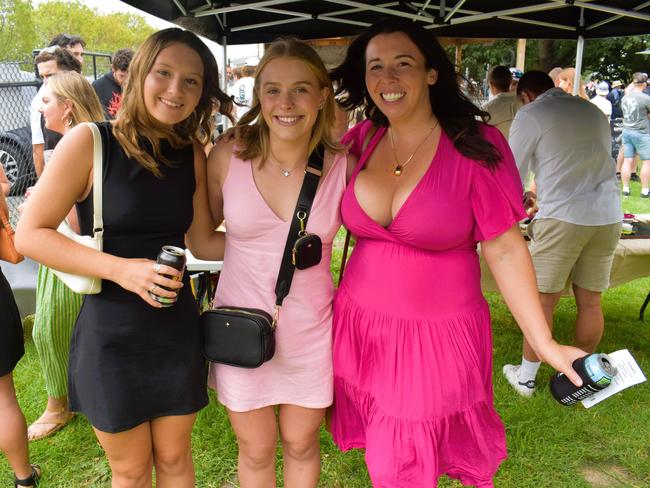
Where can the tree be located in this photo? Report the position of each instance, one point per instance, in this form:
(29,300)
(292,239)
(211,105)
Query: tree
(17,32)
(477,59)
(604,59)
(546,54)
(610,59)
(615,58)
(23,28)
(102,32)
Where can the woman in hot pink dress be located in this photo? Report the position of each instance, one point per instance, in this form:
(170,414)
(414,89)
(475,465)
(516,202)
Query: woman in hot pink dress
(412,344)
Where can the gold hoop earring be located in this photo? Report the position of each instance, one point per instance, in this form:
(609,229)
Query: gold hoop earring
(67,121)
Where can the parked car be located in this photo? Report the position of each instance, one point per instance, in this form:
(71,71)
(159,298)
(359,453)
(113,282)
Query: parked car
(17,89)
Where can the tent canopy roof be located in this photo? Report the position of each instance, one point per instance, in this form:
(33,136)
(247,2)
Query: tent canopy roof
(253,21)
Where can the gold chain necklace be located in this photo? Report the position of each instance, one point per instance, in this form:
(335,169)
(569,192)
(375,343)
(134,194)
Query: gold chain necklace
(285,172)
(399,167)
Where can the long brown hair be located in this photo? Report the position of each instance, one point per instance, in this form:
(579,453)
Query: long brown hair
(134,123)
(255,142)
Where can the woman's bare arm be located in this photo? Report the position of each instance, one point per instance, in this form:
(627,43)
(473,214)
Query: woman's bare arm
(509,260)
(202,238)
(66,179)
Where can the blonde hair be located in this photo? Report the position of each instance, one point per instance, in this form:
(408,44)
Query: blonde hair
(255,142)
(568,75)
(555,74)
(134,122)
(73,87)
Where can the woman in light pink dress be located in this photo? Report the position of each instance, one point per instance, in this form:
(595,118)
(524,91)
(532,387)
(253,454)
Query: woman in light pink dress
(412,345)
(254,182)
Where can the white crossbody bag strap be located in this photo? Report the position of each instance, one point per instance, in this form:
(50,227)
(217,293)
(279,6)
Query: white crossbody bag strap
(98,157)
(88,285)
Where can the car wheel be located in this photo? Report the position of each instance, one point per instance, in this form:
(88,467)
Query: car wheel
(8,152)
(16,160)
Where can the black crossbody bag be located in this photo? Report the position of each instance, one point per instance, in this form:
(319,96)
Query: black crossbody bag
(245,337)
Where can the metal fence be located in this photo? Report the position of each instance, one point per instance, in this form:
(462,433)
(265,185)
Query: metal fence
(18,87)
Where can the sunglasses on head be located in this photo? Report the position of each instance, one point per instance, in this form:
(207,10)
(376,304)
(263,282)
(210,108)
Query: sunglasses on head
(50,49)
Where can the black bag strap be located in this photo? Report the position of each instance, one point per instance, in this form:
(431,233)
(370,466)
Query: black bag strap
(344,257)
(313,173)
(366,140)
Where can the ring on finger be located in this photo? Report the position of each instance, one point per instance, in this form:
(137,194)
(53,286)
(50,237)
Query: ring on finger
(153,287)
(156,268)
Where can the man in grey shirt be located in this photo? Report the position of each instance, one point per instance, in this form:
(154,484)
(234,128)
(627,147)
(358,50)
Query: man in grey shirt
(636,138)
(565,141)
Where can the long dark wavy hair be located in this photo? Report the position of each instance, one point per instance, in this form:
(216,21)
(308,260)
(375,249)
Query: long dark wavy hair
(457,115)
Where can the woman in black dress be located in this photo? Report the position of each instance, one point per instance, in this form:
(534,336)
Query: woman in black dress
(13,429)
(136,370)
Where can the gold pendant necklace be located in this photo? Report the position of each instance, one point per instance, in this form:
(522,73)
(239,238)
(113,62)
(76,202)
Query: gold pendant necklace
(399,167)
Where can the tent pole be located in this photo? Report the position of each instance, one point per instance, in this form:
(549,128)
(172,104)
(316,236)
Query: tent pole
(579,52)
(578,76)
(521,54)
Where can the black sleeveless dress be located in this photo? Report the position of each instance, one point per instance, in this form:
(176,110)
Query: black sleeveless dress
(130,362)
(11,329)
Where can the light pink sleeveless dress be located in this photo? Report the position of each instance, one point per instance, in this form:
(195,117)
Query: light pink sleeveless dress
(300,372)
(412,340)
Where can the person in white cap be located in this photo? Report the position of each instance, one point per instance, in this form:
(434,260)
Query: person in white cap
(600,100)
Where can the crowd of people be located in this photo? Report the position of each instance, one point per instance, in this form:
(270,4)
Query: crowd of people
(402,351)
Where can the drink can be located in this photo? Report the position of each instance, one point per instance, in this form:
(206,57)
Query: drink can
(174,257)
(596,372)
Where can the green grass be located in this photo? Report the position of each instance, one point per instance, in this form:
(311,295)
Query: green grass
(549,445)
(634,203)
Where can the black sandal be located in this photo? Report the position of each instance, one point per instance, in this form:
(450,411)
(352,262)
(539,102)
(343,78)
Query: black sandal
(32,480)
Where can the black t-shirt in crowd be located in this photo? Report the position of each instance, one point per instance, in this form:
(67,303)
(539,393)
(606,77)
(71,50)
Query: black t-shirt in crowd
(109,93)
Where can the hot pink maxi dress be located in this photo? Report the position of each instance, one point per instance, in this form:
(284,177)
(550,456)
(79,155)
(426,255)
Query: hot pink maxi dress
(300,372)
(412,339)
